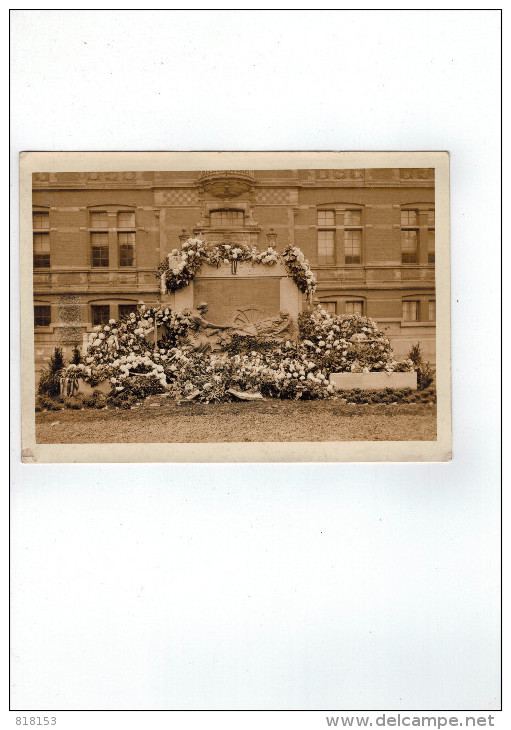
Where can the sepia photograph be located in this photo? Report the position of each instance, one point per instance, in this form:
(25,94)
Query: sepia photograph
(235,305)
(255,378)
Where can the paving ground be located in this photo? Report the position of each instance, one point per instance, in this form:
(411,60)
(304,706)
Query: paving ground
(164,421)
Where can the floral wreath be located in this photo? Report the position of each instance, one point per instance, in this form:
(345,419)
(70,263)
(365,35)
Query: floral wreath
(177,274)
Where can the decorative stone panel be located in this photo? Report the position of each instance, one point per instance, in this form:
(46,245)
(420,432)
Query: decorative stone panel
(270,196)
(178,197)
(373,381)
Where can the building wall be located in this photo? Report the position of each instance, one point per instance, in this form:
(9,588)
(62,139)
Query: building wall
(277,206)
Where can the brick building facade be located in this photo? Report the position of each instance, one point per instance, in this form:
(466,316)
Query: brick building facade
(369,235)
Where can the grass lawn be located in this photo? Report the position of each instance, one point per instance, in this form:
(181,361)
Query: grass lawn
(269,420)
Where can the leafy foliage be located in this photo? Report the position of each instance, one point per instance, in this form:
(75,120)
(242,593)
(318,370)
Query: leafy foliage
(123,352)
(76,357)
(425,371)
(195,252)
(389,395)
(347,343)
(49,381)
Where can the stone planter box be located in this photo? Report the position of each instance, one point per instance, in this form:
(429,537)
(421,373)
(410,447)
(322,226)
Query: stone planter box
(373,381)
(86,389)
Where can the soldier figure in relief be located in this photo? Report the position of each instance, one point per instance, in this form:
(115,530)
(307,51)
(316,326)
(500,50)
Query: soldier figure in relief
(201,334)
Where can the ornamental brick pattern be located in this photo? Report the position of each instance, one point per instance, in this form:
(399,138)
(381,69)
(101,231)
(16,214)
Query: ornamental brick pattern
(179,197)
(269,196)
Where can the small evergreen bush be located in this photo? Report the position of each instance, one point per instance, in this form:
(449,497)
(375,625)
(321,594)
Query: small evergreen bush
(49,381)
(425,371)
(76,357)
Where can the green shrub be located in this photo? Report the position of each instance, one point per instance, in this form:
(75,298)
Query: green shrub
(74,402)
(133,389)
(76,357)
(45,403)
(425,371)
(49,381)
(389,395)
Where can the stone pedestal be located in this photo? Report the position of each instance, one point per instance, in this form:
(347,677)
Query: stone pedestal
(255,292)
(373,381)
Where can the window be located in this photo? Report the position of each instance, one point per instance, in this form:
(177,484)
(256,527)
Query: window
(330,307)
(126,219)
(126,309)
(352,236)
(326,250)
(354,307)
(326,238)
(431,236)
(432,310)
(221,218)
(409,236)
(41,220)
(326,218)
(42,315)
(98,219)
(41,250)
(410,311)
(100,313)
(99,242)
(352,246)
(126,248)
(408,219)
(409,247)
(431,246)
(102,227)
(352,218)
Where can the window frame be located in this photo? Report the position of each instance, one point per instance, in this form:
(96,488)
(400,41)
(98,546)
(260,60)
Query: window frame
(405,227)
(417,302)
(104,246)
(351,226)
(41,213)
(94,307)
(355,301)
(219,211)
(324,260)
(347,231)
(431,231)
(101,226)
(325,302)
(133,308)
(110,224)
(42,306)
(131,226)
(44,235)
(326,227)
(120,245)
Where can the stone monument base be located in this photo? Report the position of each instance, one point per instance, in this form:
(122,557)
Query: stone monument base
(373,381)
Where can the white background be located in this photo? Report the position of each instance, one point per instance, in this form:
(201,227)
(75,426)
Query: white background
(279,587)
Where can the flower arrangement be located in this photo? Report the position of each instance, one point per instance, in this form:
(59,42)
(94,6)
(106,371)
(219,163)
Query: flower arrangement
(299,269)
(179,268)
(210,378)
(347,343)
(125,353)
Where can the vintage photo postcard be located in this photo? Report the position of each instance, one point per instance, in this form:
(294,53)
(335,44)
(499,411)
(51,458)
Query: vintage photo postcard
(235,306)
